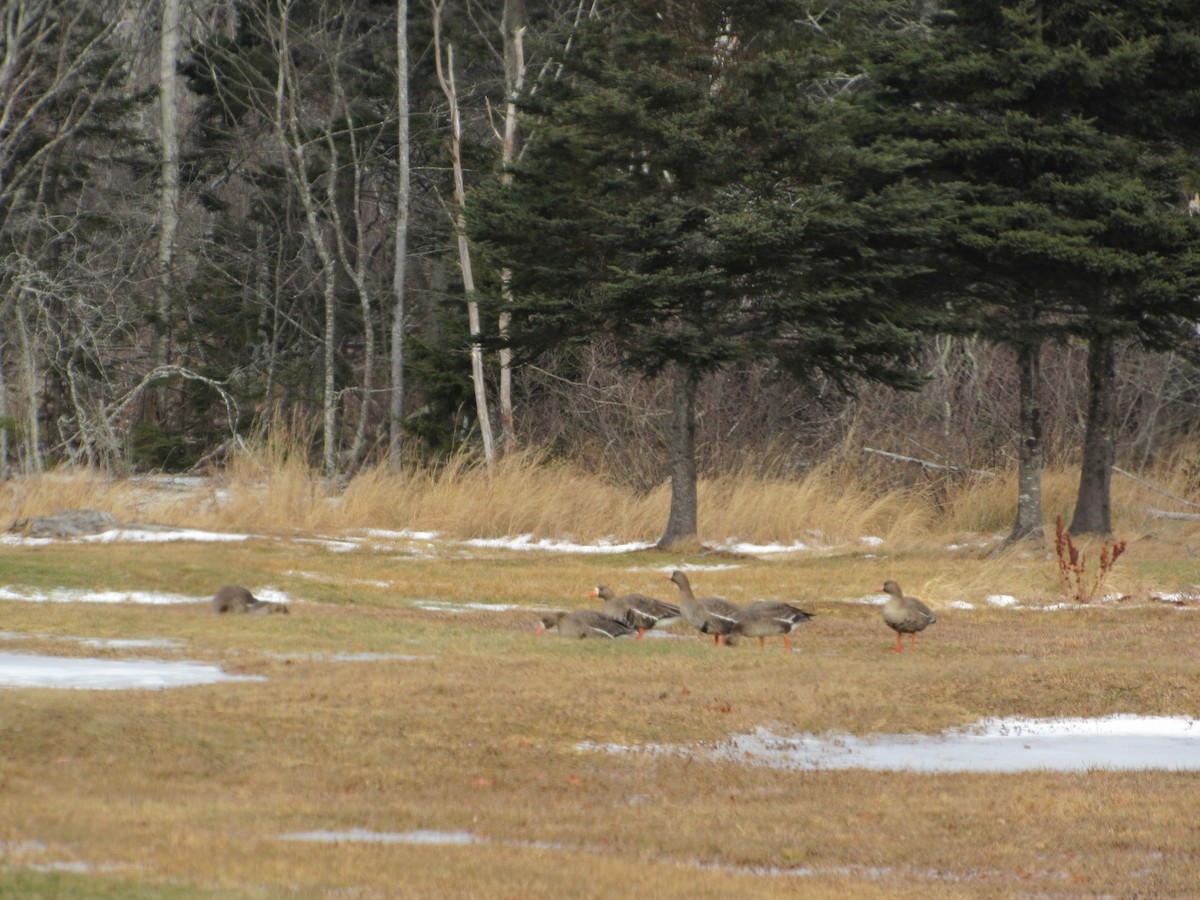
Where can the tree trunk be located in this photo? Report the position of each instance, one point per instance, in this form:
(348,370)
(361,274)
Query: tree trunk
(288,132)
(1031,453)
(513,26)
(1093,507)
(682,521)
(168,210)
(4,423)
(446,79)
(400,264)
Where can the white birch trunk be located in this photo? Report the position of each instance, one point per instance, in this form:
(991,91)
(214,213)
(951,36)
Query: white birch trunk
(514,82)
(400,266)
(446,78)
(287,128)
(168,216)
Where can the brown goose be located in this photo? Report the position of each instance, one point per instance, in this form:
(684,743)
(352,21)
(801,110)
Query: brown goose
(712,615)
(764,618)
(636,610)
(584,623)
(905,615)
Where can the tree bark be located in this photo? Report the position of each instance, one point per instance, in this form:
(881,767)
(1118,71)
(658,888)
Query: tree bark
(513,24)
(1031,452)
(288,132)
(446,79)
(400,263)
(681,523)
(1093,506)
(168,211)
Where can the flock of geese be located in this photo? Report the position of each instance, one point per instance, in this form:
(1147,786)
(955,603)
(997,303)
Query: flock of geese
(635,614)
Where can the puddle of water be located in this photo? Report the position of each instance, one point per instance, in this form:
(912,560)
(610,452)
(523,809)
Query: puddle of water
(1122,742)
(31,670)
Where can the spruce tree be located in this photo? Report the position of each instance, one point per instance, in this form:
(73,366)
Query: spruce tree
(689,190)
(1062,131)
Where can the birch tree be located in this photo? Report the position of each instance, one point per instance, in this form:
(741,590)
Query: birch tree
(445,75)
(400,242)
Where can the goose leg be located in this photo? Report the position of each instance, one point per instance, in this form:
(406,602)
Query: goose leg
(899,646)
(787,643)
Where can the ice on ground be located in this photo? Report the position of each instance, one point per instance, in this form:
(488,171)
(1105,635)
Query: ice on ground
(1119,742)
(362,835)
(31,670)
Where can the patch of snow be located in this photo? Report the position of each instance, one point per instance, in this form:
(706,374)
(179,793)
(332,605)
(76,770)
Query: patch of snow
(464,606)
(362,835)
(140,535)
(30,670)
(959,604)
(871,541)
(527,542)
(1118,742)
(1000,600)
(72,595)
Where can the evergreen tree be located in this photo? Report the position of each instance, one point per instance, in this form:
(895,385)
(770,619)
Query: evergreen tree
(1059,129)
(689,190)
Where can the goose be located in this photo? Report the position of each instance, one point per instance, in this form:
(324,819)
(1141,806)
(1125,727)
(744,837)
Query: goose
(905,615)
(637,610)
(584,623)
(712,615)
(764,618)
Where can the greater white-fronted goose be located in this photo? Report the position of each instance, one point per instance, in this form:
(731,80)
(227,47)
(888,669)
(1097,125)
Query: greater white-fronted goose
(712,615)
(905,615)
(765,618)
(636,610)
(584,623)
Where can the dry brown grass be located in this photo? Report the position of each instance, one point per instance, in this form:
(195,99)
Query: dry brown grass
(188,791)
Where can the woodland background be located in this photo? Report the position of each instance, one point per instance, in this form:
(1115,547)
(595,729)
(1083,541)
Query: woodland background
(221,218)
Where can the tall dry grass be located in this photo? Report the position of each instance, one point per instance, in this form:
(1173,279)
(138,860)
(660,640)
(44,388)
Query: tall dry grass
(271,488)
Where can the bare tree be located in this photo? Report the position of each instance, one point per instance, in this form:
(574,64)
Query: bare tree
(168,215)
(400,262)
(445,74)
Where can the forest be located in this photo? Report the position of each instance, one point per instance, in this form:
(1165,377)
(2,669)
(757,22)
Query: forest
(658,240)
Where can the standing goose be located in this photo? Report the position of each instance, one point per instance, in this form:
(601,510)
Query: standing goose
(636,610)
(584,623)
(905,615)
(764,618)
(712,615)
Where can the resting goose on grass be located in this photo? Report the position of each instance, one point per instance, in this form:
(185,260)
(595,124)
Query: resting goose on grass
(637,610)
(584,623)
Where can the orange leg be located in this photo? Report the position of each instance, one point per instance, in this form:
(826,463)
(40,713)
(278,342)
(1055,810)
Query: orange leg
(716,640)
(787,643)
(899,646)
(912,640)
(641,633)
(762,642)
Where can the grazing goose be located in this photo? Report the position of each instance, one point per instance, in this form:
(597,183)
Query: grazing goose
(712,615)
(764,618)
(584,623)
(637,610)
(905,615)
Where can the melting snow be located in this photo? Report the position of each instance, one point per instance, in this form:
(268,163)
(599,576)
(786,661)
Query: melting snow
(29,670)
(1125,742)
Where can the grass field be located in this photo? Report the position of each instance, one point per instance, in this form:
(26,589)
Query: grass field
(466,728)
